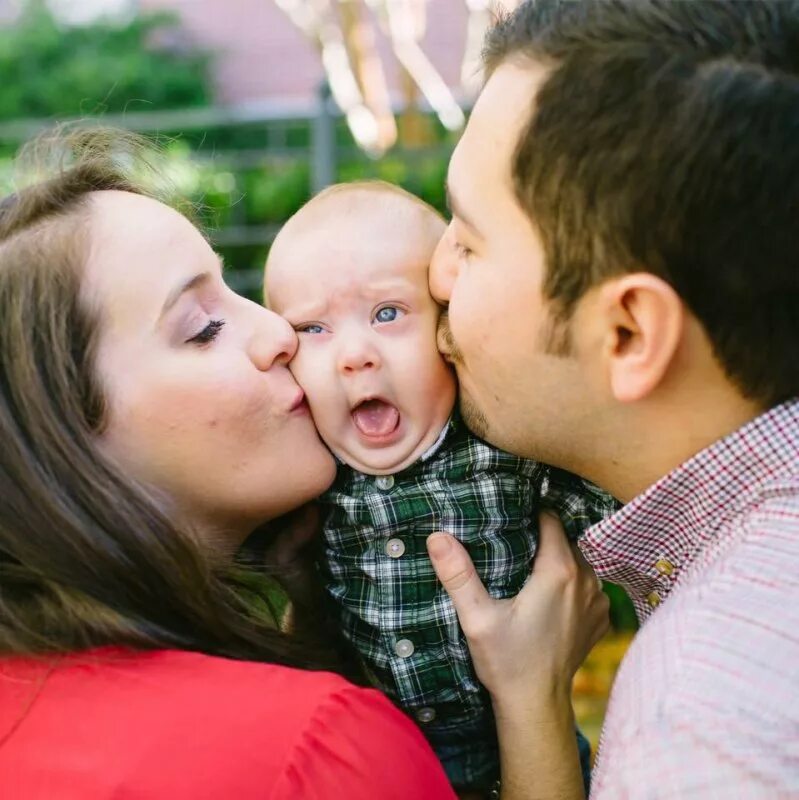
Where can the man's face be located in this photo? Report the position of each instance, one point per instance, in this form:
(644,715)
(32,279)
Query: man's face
(358,297)
(489,268)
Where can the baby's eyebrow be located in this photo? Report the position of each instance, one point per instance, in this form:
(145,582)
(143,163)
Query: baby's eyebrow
(392,287)
(304,312)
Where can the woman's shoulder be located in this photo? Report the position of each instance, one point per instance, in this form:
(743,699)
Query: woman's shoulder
(168,692)
(187,673)
(180,687)
(183,721)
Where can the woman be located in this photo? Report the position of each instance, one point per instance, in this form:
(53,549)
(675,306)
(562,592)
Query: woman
(149,425)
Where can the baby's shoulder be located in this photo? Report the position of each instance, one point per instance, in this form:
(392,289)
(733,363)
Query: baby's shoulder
(469,453)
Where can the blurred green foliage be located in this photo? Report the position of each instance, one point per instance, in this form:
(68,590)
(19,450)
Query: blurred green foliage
(622,613)
(52,70)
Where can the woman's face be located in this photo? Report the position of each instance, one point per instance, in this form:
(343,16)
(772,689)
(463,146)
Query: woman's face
(201,404)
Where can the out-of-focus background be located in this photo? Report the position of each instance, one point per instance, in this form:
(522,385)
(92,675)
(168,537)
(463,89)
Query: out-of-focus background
(259,104)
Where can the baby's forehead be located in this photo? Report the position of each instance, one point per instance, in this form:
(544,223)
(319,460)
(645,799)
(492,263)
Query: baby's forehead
(360,235)
(366,215)
(345,261)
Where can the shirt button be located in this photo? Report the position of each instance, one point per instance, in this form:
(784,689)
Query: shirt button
(384,482)
(653,598)
(426,714)
(404,648)
(664,566)
(395,548)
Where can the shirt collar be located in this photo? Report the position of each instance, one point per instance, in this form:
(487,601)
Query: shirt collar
(651,541)
(452,425)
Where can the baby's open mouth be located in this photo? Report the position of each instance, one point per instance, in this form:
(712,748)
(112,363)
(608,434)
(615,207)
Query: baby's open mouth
(375,417)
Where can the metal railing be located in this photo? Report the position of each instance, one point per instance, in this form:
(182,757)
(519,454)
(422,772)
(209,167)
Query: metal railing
(321,150)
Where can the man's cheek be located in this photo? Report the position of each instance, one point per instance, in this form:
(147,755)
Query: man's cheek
(468,322)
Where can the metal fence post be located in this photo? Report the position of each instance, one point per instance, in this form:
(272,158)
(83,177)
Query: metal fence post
(323,142)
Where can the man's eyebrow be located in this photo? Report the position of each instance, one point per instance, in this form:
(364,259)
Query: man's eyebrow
(457,210)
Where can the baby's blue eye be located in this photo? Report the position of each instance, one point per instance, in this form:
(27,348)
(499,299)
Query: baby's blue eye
(310,329)
(387,314)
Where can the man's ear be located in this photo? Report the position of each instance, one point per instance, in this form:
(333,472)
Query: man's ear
(644,321)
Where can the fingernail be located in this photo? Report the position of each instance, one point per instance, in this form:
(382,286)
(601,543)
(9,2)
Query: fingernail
(438,545)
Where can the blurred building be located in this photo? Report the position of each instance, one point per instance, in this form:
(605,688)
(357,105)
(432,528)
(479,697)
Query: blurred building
(260,54)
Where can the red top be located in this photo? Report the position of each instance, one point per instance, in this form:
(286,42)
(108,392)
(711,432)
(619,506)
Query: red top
(168,724)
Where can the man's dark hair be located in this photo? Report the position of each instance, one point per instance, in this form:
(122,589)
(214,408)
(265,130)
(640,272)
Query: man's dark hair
(666,139)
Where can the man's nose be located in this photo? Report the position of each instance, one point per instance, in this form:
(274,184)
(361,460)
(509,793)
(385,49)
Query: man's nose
(443,269)
(273,340)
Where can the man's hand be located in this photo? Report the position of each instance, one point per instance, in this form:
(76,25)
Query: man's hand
(526,649)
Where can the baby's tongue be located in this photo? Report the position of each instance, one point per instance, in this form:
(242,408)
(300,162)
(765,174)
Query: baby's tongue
(375,418)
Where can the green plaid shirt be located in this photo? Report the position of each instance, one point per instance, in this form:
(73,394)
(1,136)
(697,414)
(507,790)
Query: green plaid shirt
(393,608)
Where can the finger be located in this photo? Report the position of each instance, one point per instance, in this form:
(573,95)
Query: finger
(457,574)
(586,570)
(553,546)
(580,558)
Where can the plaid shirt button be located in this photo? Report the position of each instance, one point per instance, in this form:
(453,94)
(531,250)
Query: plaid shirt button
(404,648)
(384,482)
(379,574)
(395,548)
(426,714)
(653,599)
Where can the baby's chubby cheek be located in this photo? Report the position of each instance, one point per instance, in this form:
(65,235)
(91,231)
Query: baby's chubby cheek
(320,389)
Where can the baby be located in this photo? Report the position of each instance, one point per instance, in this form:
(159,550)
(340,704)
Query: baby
(349,272)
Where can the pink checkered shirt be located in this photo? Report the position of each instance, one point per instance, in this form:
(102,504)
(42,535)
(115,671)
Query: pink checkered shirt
(706,702)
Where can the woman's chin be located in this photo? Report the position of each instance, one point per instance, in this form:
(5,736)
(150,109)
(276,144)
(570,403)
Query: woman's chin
(328,474)
(314,477)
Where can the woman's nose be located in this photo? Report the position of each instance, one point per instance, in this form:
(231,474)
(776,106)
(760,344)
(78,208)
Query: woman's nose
(273,340)
(443,269)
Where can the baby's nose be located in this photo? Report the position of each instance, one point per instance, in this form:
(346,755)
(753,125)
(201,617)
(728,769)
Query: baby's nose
(358,356)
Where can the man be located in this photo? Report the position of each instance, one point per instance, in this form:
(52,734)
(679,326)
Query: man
(622,278)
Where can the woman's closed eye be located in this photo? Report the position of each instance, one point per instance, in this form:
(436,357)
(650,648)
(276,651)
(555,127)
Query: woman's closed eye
(388,314)
(208,333)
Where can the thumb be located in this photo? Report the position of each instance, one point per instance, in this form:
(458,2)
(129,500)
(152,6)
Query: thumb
(553,546)
(456,572)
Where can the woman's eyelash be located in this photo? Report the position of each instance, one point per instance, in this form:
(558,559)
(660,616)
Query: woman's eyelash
(208,333)
(462,250)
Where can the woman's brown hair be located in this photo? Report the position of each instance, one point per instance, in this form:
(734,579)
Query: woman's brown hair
(87,557)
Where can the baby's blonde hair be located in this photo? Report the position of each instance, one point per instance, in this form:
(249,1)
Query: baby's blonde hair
(351,197)
(375,186)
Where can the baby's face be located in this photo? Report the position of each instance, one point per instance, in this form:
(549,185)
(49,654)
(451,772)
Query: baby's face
(377,386)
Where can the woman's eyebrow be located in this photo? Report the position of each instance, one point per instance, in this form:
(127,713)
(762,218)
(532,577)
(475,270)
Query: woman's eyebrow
(187,286)
(182,288)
